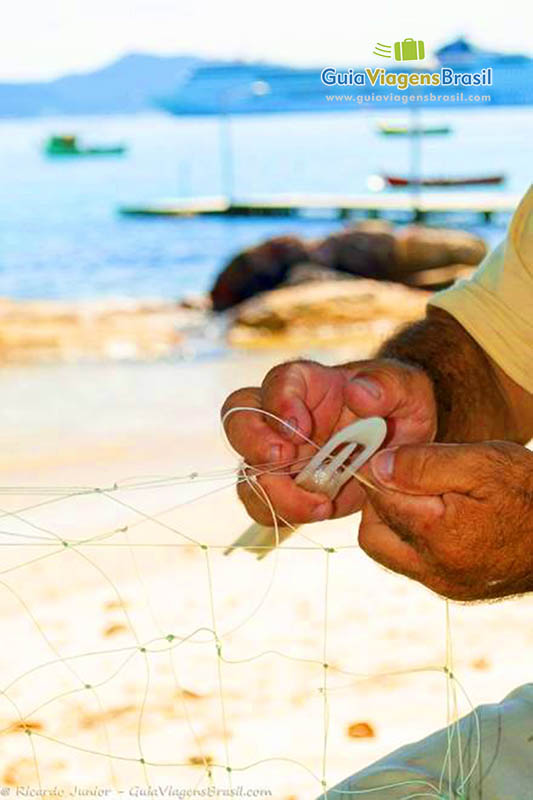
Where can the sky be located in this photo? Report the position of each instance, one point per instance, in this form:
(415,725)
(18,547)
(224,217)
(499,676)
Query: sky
(41,39)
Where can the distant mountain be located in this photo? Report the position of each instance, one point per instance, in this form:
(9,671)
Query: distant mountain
(126,86)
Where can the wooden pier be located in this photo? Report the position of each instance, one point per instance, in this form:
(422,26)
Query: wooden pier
(416,206)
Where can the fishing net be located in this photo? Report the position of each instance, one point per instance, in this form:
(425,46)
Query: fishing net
(138,659)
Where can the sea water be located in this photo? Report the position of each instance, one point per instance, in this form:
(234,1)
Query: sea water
(61,235)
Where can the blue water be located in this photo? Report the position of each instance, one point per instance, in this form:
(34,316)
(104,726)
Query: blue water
(60,235)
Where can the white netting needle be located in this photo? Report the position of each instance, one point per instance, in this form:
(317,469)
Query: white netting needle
(326,472)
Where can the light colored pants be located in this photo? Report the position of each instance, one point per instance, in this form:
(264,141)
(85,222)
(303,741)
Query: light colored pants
(499,762)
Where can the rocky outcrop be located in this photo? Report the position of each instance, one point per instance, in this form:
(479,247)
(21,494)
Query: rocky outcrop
(438,277)
(365,250)
(371,249)
(421,248)
(257,270)
(431,279)
(326,313)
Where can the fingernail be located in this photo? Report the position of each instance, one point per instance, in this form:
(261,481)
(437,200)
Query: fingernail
(275,453)
(383,464)
(321,511)
(368,386)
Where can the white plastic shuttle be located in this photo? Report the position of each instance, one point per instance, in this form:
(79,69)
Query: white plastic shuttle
(326,472)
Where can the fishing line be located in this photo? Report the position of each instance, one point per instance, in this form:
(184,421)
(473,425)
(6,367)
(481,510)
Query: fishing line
(167,642)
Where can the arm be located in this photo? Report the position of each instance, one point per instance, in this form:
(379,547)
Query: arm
(457,517)
(476,400)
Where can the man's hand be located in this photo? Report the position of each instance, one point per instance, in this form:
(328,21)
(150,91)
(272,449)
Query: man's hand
(457,518)
(318,401)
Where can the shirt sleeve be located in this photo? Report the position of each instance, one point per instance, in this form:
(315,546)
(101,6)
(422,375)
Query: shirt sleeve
(495,305)
(495,744)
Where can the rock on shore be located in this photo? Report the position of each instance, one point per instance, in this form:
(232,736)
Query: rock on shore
(326,313)
(257,270)
(414,255)
(420,248)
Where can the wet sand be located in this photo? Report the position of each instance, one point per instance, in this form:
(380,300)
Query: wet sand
(108,646)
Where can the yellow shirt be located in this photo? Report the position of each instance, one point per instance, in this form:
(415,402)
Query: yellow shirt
(496,304)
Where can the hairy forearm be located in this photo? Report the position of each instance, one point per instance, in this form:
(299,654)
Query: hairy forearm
(476,401)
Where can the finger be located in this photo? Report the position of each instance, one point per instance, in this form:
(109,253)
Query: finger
(307,395)
(249,432)
(290,503)
(387,389)
(432,469)
(383,544)
(349,500)
(284,393)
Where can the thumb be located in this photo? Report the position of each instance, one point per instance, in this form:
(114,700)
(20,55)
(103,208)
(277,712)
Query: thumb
(390,389)
(431,469)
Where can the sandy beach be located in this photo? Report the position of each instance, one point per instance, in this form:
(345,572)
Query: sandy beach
(109,603)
